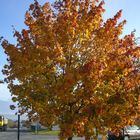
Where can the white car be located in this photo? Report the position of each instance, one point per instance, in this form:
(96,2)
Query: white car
(132,132)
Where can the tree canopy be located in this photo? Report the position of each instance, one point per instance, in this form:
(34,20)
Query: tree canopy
(72,68)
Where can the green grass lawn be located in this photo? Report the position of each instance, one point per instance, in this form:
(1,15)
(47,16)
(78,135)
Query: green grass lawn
(46,132)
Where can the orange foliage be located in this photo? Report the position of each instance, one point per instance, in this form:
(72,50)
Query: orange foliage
(73,69)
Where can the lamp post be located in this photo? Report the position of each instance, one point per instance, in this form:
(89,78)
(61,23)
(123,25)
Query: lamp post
(12,107)
(18,130)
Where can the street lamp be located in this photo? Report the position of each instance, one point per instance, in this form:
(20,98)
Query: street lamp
(18,132)
(13,107)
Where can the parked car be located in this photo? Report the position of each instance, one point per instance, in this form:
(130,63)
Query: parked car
(132,132)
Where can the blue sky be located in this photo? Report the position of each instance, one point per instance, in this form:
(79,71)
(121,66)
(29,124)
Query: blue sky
(12,13)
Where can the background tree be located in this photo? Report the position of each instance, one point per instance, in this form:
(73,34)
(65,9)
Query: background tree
(73,69)
(1,81)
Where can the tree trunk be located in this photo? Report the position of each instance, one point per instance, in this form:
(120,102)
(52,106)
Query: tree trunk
(70,138)
(87,137)
(50,128)
(97,134)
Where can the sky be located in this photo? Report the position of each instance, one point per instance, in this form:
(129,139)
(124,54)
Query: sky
(12,14)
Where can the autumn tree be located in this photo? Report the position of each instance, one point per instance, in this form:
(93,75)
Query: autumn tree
(72,68)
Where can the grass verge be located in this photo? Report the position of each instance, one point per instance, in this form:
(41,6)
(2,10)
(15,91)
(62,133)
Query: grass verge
(46,132)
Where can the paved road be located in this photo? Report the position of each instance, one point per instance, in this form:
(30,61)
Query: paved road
(11,135)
